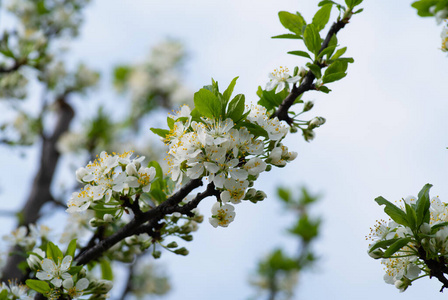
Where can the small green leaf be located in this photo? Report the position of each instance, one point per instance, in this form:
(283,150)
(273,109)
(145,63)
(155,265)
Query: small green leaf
(315,69)
(292,22)
(37,285)
(284,194)
(339,53)
(423,205)
(53,252)
(322,16)
(324,89)
(170,122)
(4,295)
(423,7)
(228,92)
(71,248)
(352,3)
(160,132)
(327,51)
(411,216)
(287,36)
(394,212)
(106,270)
(436,227)
(236,108)
(396,247)
(383,244)
(336,67)
(74,270)
(207,104)
(300,53)
(254,129)
(312,39)
(333,77)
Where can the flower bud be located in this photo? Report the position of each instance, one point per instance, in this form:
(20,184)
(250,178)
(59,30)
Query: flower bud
(181,251)
(377,253)
(308,105)
(172,245)
(156,254)
(402,284)
(108,218)
(94,222)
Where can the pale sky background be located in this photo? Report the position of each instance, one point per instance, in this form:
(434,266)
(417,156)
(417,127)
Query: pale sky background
(385,133)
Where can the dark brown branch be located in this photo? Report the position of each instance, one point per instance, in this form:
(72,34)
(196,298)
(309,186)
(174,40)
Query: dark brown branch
(153,216)
(307,83)
(40,190)
(437,268)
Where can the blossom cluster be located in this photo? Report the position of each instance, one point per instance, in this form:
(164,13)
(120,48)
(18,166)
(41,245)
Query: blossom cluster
(230,156)
(403,240)
(108,177)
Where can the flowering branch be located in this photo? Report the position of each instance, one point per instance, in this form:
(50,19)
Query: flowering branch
(153,216)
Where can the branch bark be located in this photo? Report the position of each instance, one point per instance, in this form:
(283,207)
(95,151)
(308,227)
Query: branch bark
(40,190)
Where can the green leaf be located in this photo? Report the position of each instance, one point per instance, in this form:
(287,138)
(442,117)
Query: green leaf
(292,22)
(336,67)
(228,92)
(411,216)
(160,132)
(159,185)
(327,51)
(106,270)
(74,270)
(352,3)
(423,205)
(333,77)
(383,244)
(300,53)
(312,39)
(270,100)
(207,104)
(436,227)
(284,194)
(170,122)
(4,295)
(53,252)
(315,69)
(236,108)
(254,129)
(71,248)
(396,247)
(423,7)
(38,285)
(322,16)
(324,89)
(287,36)
(339,53)
(394,212)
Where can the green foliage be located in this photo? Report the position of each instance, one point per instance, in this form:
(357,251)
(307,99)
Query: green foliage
(54,253)
(292,22)
(322,17)
(393,211)
(300,53)
(312,39)
(71,248)
(423,204)
(397,245)
(160,132)
(4,295)
(352,3)
(106,269)
(121,76)
(269,99)
(423,6)
(207,104)
(38,285)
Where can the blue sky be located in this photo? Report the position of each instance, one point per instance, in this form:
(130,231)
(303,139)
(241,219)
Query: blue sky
(385,132)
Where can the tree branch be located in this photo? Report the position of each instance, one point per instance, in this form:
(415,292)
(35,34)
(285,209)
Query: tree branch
(153,216)
(307,83)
